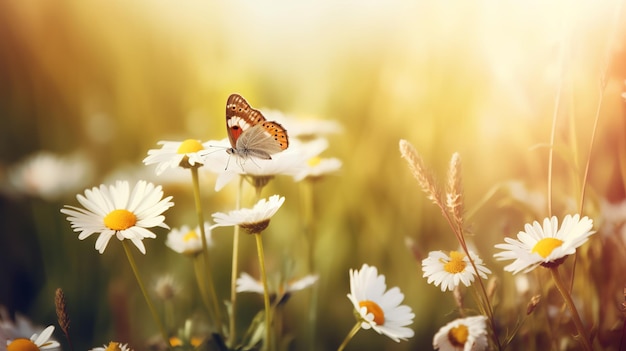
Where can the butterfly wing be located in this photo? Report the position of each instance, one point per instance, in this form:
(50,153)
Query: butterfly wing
(277,133)
(240,116)
(260,142)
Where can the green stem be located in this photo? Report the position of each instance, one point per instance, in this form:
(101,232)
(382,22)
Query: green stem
(233,276)
(266,294)
(168,317)
(308,209)
(197,267)
(205,249)
(308,204)
(155,315)
(350,335)
(560,285)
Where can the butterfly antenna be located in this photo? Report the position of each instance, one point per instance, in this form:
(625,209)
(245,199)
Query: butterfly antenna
(227,163)
(219,148)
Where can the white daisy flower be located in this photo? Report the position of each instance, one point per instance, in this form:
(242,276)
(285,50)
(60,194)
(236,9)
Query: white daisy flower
(36,342)
(451,269)
(467,334)
(289,162)
(246,283)
(253,220)
(166,287)
(20,327)
(316,166)
(547,245)
(50,176)
(188,241)
(113,346)
(301,283)
(117,211)
(174,154)
(377,309)
(303,128)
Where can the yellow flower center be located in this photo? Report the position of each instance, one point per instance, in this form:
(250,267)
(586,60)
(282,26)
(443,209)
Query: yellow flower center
(314,161)
(120,219)
(191,235)
(195,341)
(458,335)
(373,308)
(545,246)
(113,346)
(456,263)
(189,146)
(22,345)
(175,341)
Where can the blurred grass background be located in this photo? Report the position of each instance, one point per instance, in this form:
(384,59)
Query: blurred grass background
(110,79)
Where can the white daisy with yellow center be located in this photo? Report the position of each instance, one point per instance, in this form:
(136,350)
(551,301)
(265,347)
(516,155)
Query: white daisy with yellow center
(467,334)
(315,167)
(116,210)
(379,309)
(35,343)
(254,220)
(173,154)
(188,241)
(448,270)
(318,167)
(546,245)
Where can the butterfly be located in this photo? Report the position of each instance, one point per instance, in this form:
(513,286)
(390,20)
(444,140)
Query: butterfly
(250,134)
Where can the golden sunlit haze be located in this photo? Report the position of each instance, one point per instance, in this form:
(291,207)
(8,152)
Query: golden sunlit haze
(110,79)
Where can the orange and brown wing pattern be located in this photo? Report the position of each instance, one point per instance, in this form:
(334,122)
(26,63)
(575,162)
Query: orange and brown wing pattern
(239,117)
(277,132)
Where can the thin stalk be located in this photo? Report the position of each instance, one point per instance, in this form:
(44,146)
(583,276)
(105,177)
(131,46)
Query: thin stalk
(550,327)
(488,309)
(516,329)
(168,308)
(197,267)
(555,115)
(602,86)
(586,176)
(308,209)
(483,300)
(277,320)
(308,204)
(233,276)
(266,295)
(584,338)
(155,315)
(205,249)
(350,335)
(587,164)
